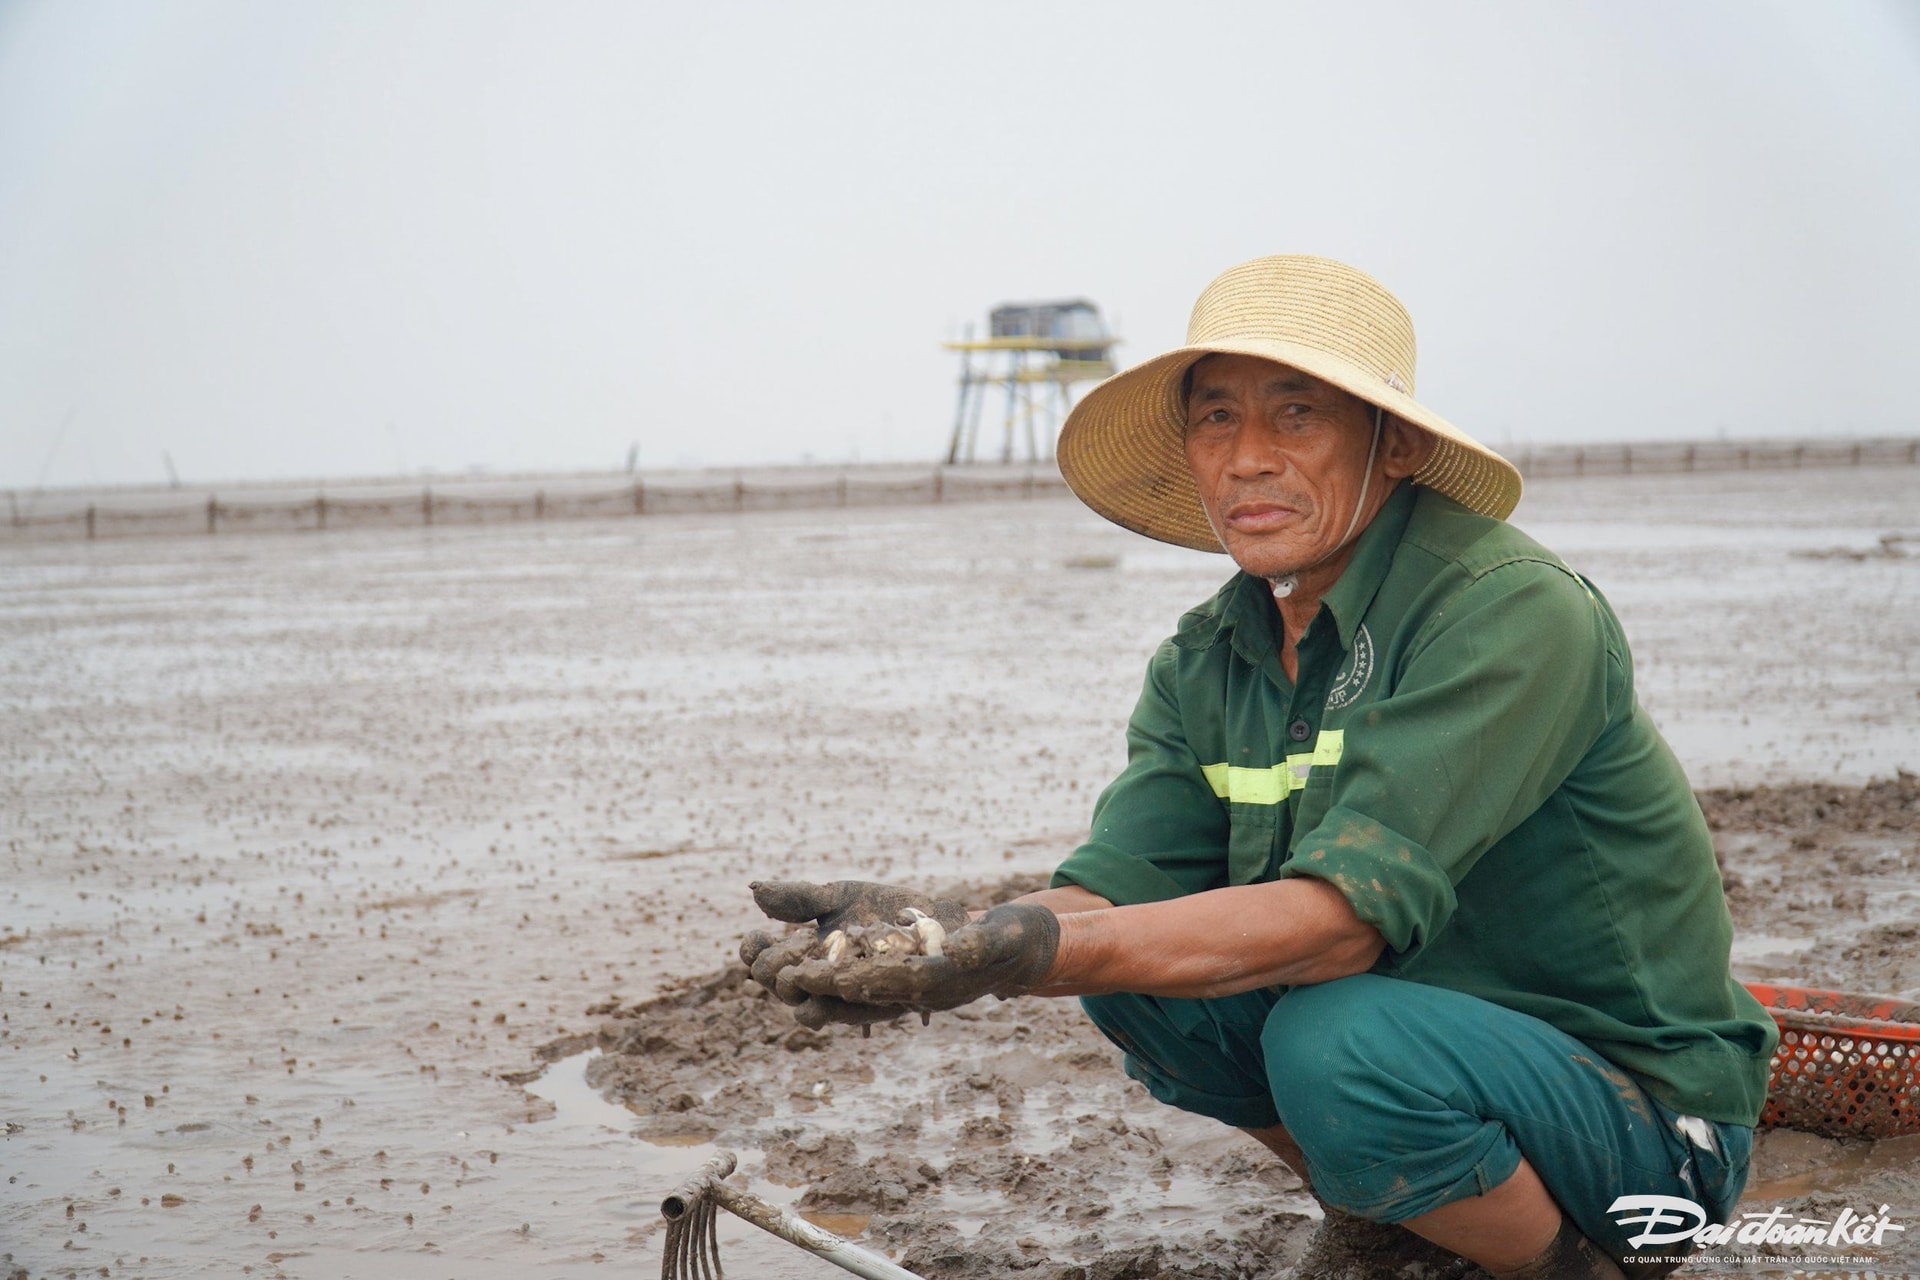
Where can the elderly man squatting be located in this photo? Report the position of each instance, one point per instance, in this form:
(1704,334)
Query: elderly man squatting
(1399,877)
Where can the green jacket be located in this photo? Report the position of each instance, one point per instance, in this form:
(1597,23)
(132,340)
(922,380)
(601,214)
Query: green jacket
(1464,759)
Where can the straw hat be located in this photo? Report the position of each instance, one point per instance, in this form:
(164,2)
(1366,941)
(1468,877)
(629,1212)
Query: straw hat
(1122,451)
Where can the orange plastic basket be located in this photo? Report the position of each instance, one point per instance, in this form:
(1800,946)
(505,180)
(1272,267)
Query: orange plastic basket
(1848,1066)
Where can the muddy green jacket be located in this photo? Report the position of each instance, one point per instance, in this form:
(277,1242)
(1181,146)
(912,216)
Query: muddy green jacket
(1463,758)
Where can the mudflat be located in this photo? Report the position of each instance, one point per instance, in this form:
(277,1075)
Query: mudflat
(343,869)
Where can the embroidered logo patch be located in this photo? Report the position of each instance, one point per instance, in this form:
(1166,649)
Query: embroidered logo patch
(1359,670)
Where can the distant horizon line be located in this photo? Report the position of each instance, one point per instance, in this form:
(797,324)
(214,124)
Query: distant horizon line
(480,475)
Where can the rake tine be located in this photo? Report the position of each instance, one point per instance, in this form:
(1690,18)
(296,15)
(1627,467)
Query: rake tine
(691,1251)
(709,1242)
(671,1262)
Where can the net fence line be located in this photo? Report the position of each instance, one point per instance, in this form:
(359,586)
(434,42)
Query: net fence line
(639,497)
(1670,457)
(427,506)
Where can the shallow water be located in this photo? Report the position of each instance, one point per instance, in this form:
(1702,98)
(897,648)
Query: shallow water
(307,839)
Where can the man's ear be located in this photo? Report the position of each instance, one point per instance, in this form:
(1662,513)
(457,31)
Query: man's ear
(1404,448)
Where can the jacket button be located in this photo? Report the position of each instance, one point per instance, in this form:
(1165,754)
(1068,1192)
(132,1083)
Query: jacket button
(1299,730)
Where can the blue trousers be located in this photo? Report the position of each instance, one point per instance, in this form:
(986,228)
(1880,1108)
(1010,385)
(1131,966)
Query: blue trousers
(1406,1097)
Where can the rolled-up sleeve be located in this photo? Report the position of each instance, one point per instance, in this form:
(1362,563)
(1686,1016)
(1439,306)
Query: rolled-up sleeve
(1158,830)
(1499,697)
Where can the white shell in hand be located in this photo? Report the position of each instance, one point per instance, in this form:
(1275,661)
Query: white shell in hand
(892,940)
(931,934)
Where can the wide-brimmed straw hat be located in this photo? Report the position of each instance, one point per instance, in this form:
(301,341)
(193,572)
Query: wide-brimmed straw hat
(1122,448)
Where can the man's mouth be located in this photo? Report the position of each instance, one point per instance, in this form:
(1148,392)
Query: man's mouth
(1257,516)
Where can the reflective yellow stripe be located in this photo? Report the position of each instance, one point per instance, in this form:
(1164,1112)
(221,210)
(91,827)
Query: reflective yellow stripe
(1272,785)
(1328,746)
(1256,786)
(1247,786)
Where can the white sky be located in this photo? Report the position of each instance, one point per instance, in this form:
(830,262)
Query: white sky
(281,240)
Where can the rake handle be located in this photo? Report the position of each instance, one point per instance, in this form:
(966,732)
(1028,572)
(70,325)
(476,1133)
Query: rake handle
(694,1189)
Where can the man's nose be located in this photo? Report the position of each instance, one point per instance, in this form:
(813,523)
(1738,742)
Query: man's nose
(1251,453)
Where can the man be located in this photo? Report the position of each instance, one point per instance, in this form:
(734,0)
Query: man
(1399,878)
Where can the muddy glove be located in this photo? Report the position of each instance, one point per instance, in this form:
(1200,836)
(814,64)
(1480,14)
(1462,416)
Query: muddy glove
(1006,952)
(833,908)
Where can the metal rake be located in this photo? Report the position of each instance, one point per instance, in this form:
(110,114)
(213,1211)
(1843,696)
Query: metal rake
(693,1247)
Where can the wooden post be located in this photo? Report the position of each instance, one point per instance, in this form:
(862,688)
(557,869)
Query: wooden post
(1689,458)
(939,485)
(739,492)
(426,505)
(1579,462)
(1799,455)
(639,498)
(1853,454)
(1626,459)
(320,511)
(89,522)
(213,514)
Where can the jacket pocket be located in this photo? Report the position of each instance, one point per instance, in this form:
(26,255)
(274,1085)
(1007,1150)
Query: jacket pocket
(1252,835)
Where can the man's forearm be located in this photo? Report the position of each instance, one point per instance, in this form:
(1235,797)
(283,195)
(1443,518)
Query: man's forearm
(1219,943)
(1068,899)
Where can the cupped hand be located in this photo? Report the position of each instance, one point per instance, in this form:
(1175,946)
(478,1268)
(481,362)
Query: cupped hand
(1006,952)
(833,907)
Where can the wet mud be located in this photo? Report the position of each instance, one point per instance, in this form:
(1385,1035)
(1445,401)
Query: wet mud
(1005,1139)
(1823,883)
(307,844)
(1002,1138)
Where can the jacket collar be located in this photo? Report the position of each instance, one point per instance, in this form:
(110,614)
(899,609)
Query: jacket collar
(1243,610)
(1353,592)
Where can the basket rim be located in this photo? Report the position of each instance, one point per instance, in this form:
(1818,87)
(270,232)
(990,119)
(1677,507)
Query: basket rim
(1827,1024)
(1816,1008)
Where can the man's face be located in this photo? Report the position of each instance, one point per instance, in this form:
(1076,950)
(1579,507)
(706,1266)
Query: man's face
(1278,456)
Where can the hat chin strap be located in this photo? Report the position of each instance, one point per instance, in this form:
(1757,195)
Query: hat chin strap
(1284,584)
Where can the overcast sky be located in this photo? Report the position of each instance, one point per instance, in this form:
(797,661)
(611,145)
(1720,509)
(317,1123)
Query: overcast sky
(293,240)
